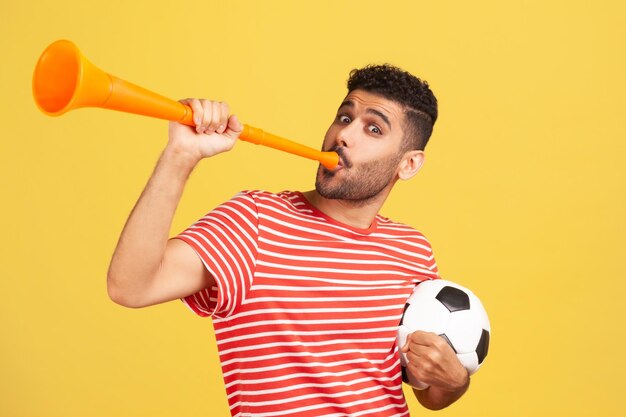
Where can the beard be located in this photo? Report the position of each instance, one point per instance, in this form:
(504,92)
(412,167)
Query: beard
(360,183)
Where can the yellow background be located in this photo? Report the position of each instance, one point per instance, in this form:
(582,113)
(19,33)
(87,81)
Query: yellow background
(522,195)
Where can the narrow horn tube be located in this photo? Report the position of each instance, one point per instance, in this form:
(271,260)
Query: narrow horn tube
(65,80)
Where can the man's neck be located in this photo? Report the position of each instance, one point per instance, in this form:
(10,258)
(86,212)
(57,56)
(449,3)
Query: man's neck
(359,214)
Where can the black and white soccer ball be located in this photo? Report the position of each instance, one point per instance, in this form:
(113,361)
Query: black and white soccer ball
(453,312)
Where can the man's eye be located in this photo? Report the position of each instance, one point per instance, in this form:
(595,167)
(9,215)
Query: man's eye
(374,129)
(344,119)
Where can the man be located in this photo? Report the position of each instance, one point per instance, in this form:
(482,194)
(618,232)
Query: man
(305,289)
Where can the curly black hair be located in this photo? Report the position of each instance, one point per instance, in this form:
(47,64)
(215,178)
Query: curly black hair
(413,94)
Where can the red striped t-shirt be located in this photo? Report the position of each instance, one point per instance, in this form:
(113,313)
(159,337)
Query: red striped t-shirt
(305,308)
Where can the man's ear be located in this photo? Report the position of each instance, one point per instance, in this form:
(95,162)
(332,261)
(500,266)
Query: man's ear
(410,164)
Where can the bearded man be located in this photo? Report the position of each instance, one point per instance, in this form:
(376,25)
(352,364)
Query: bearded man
(305,289)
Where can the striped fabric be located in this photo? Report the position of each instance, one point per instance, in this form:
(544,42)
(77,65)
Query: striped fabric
(305,309)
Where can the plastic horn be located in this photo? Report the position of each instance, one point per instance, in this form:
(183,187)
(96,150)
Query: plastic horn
(65,80)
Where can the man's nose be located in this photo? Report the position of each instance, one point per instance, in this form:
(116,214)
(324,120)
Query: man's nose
(345,137)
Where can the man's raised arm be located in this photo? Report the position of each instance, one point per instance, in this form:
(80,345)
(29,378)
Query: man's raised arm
(146,267)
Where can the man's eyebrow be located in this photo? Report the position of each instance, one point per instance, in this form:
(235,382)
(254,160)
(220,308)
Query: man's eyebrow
(381,115)
(349,103)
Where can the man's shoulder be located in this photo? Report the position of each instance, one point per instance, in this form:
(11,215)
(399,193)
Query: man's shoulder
(398,230)
(279,201)
(388,223)
(269,195)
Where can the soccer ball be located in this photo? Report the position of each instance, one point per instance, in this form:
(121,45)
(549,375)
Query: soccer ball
(454,313)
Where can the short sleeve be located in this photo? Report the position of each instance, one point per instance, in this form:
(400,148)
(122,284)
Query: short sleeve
(425,258)
(226,241)
(431,263)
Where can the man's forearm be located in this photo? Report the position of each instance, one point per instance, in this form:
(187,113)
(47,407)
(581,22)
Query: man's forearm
(144,238)
(435,398)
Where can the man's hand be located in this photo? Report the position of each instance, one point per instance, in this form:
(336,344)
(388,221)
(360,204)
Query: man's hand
(433,362)
(215,132)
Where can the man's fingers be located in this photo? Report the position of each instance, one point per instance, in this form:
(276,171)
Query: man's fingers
(211,114)
(424,341)
(433,361)
(196,108)
(206,113)
(223,120)
(424,354)
(423,338)
(213,117)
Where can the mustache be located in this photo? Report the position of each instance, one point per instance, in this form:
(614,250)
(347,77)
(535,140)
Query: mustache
(345,161)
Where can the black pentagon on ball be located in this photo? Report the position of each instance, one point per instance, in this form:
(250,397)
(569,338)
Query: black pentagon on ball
(405,375)
(402,318)
(483,346)
(454,299)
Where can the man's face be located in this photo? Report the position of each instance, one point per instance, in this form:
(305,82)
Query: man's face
(366,133)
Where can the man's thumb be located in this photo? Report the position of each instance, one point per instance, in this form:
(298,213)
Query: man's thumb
(234,128)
